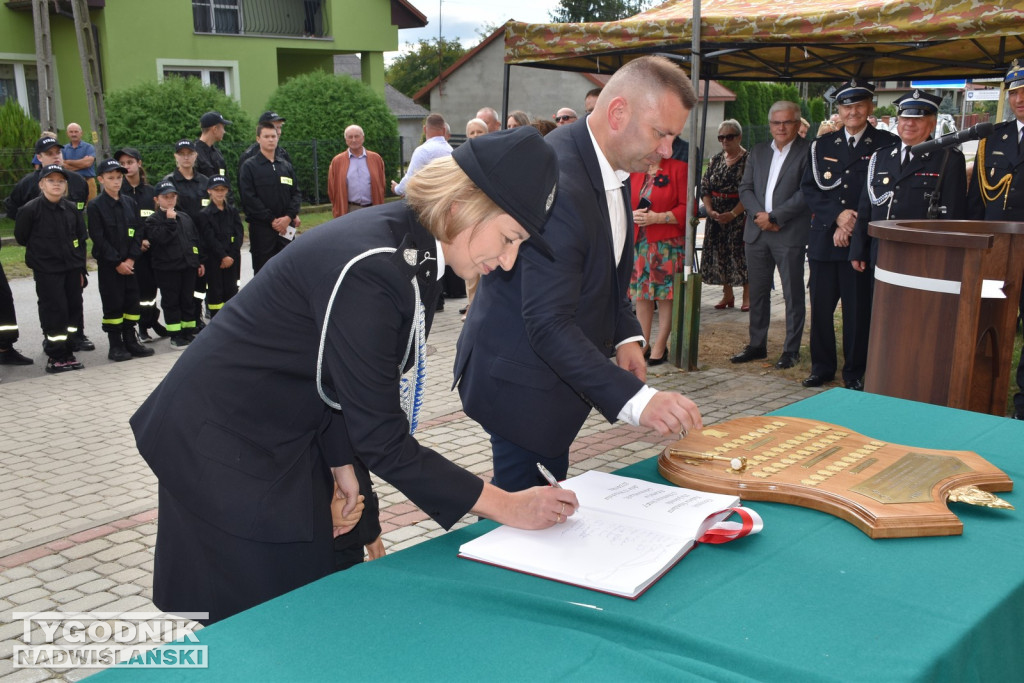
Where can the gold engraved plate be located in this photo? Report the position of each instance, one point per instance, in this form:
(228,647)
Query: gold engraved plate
(910,479)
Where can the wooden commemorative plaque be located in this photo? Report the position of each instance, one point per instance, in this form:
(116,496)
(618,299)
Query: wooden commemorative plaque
(884,489)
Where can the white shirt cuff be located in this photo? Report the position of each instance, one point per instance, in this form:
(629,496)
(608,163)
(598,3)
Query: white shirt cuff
(638,338)
(635,406)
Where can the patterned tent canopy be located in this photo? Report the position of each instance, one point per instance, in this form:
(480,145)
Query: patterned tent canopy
(794,39)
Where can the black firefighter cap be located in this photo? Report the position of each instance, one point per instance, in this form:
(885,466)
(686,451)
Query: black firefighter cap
(45,143)
(165,187)
(108,165)
(211,119)
(518,171)
(854,90)
(918,103)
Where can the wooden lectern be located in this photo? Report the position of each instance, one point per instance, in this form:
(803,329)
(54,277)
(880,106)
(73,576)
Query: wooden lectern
(945,311)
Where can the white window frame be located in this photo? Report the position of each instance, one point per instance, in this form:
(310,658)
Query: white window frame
(204,66)
(18,60)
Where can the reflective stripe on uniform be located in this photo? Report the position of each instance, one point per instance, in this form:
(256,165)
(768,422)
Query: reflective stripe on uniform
(112,321)
(148,303)
(131,317)
(216,307)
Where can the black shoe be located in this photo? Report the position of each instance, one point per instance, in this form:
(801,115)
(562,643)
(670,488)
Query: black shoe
(12,357)
(749,353)
(144,336)
(1017,415)
(79,342)
(787,360)
(815,380)
(462,311)
(652,361)
(440,304)
(200,326)
(132,344)
(855,384)
(66,365)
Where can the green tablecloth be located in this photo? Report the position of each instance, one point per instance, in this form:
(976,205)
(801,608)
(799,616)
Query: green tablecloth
(809,599)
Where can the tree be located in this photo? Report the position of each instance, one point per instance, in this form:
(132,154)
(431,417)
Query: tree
(597,10)
(318,107)
(18,135)
(422,63)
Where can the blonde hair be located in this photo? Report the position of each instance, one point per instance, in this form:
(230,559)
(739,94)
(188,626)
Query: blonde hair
(437,189)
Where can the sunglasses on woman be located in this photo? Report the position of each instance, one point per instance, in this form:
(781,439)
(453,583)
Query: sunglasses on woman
(730,136)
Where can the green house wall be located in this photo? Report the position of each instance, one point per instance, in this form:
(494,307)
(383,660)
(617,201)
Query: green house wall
(137,38)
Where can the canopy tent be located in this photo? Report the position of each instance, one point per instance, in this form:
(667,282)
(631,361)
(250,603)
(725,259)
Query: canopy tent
(799,40)
(795,40)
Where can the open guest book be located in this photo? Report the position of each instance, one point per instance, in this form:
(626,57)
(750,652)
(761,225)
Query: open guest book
(626,534)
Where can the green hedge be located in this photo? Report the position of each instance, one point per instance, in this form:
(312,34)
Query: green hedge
(319,106)
(153,116)
(18,135)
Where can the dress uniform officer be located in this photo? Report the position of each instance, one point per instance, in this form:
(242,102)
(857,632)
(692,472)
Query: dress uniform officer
(996,192)
(244,437)
(52,230)
(901,184)
(832,185)
(116,246)
(48,151)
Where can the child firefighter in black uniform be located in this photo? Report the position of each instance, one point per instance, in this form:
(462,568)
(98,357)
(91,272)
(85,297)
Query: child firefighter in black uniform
(220,226)
(114,229)
(52,231)
(174,251)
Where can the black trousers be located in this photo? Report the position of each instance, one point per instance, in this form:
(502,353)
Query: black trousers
(8,318)
(149,313)
(59,297)
(177,289)
(221,284)
(119,297)
(264,243)
(1018,398)
(832,282)
(200,568)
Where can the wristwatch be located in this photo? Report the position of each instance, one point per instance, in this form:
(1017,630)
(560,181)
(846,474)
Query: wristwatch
(771,219)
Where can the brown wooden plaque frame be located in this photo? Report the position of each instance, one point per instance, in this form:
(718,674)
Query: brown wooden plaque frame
(886,490)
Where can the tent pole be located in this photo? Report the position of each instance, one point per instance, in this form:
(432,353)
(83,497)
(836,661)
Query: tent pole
(684,341)
(504,97)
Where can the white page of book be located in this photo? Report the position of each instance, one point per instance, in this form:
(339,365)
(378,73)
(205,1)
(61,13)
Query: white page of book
(623,537)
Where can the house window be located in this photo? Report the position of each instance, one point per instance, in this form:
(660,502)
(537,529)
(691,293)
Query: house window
(220,78)
(217,16)
(19,81)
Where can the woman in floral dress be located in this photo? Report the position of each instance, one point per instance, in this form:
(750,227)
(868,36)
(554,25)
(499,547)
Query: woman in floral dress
(723,262)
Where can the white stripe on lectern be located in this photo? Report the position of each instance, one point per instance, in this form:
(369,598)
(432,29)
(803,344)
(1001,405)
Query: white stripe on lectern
(990,289)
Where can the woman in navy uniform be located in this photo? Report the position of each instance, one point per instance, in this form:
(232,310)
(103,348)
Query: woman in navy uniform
(300,379)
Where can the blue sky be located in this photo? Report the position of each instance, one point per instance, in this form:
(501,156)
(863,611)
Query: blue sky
(462,18)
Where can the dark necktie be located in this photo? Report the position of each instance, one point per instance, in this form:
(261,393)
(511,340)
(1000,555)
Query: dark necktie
(906,157)
(853,142)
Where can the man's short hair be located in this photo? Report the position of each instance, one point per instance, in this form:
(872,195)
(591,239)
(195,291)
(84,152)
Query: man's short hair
(593,92)
(784,105)
(434,122)
(262,125)
(654,75)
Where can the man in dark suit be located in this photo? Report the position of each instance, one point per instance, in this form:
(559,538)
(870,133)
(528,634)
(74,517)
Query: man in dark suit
(997,187)
(832,185)
(775,234)
(902,185)
(533,357)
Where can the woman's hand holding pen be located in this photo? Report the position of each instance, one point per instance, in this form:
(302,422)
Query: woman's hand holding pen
(539,507)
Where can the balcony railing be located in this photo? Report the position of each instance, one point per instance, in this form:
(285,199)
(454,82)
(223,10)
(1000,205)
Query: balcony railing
(298,18)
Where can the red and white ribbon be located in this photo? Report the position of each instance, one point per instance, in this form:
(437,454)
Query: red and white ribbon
(725,531)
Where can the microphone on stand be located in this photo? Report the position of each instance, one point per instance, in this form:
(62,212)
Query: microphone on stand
(973,133)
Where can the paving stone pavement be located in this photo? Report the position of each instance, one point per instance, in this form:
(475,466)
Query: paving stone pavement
(78,505)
